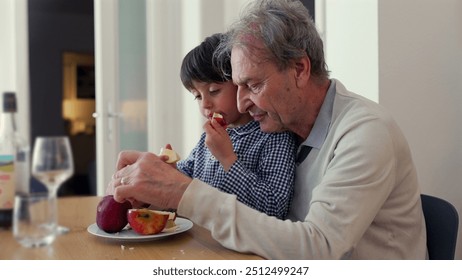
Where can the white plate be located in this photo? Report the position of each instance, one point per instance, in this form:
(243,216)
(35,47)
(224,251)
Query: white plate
(131,235)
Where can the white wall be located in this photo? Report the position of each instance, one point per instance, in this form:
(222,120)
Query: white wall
(7,66)
(345,27)
(421,82)
(419,78)
(14,57)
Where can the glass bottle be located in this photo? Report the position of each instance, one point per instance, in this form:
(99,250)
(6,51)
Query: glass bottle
(14,160)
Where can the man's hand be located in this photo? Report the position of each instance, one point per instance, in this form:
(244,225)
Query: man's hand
(144,178)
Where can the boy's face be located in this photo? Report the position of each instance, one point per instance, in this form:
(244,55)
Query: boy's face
(219,98)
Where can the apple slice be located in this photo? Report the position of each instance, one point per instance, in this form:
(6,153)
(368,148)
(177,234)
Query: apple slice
(147,222)
(219,118)
(173,157)
(171,226)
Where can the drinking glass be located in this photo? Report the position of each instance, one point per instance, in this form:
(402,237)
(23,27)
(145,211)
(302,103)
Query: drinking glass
(34,219)
(52,164)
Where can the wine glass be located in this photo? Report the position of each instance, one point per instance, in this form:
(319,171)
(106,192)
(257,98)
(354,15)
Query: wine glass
(52,164)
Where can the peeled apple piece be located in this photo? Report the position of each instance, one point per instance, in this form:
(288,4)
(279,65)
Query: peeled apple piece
(173,157)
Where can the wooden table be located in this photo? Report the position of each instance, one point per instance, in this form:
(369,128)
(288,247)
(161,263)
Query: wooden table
(78,213)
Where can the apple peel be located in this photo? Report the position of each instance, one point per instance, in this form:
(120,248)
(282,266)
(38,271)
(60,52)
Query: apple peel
(170,226)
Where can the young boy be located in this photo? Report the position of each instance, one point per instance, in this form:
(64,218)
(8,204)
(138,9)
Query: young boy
(258,167)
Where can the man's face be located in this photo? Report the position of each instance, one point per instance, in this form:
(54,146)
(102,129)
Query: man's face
(263,90)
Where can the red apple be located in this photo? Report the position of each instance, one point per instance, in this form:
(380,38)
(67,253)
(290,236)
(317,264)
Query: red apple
(146,221)
(111,216)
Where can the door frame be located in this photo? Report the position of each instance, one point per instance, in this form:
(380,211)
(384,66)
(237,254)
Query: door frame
(106,72)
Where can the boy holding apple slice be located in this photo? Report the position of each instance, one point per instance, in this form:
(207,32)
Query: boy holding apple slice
(233,154)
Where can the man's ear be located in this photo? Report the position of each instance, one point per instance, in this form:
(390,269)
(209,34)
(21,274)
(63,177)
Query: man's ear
(302,71)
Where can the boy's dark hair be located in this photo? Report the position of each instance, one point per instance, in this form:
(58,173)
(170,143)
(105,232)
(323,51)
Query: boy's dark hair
(199,65)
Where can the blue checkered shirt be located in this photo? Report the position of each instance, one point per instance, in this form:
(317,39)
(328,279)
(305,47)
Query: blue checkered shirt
(263,177)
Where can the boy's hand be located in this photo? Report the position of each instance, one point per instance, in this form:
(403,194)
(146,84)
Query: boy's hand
(219,143)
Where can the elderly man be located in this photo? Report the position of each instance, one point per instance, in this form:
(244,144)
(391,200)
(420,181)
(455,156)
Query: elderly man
(356,196)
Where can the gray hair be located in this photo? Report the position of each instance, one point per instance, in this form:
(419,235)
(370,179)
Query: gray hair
(285,29)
